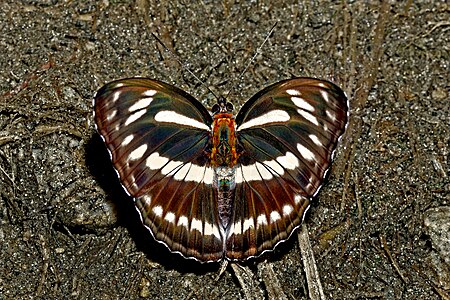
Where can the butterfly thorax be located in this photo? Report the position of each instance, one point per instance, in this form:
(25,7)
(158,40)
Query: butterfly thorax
(223,151)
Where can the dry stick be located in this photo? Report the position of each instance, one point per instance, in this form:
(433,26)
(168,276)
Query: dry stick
(9,178)
(360,215)
(45,258)
(366,83)
(348,174)
(271,282)
(245,278)
(33,76)
(223,267)
(388,253)
(312,274)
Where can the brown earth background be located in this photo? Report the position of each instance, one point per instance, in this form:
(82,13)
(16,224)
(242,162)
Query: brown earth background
(378,227)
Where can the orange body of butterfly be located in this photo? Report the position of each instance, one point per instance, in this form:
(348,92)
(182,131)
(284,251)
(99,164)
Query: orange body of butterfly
(223,151)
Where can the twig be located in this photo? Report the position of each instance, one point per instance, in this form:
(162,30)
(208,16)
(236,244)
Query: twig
(388,253)
(248,285)
(312,275)
(45,258)
(273,286)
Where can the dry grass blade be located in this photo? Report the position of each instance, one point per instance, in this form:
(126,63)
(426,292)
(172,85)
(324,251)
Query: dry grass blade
(312,274)
(246,280)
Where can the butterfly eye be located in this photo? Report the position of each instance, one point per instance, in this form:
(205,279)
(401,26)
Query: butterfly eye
(223,187)
(215,109)
(229,107)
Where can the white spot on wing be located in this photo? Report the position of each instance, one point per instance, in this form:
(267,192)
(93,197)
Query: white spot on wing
(158,211)
(238,177)
(260,171)
(195,173)
(321,84)
(287,209)
(140,104)
(154,161)
(273,116)
(248,223)
(308,116)
(331,115)
(303,104)
(289,161)
(325,96)
(275,166)
(298,198)
(274,216)
(168,116)
(183,221)
(119,85)
(262,219)
(315,139)
(211,229)
(149,93)
(181,173)
(170,217)
(196,224)
(264,173)
(138,152)
(209,176)
(171,167)
(146,199)
(250,173)
(127,140)
(293,92)
(116,94)
(111,115)
(236,228)
(134,117)
(189,172)
(305,152)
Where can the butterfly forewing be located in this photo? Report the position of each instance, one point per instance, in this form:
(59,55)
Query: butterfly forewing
(157,136)
(288,133)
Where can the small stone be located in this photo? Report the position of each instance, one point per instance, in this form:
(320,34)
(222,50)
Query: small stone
(439,94)
(144,286)
(437,226)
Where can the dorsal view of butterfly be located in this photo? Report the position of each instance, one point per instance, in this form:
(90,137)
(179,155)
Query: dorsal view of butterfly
(212,186)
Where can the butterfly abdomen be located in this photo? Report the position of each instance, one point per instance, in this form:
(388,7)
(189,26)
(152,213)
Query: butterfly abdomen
(224,180)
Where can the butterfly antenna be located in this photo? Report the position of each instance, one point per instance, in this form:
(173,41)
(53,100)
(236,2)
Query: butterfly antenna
(258,51)
(174,56)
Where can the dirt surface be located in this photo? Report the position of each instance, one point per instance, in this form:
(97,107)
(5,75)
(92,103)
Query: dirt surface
(68,231)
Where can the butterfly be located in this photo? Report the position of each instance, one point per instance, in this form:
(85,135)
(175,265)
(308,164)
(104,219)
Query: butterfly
(212,186)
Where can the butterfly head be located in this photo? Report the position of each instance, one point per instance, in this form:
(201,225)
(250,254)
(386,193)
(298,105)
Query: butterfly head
(222,106)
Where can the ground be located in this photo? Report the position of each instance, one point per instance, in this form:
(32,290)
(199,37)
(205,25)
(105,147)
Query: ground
(378,227)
